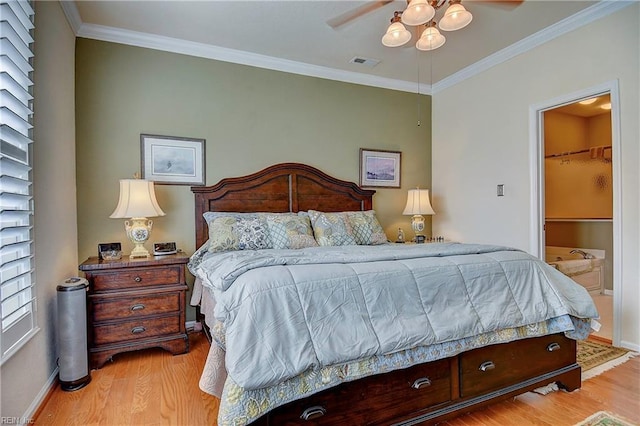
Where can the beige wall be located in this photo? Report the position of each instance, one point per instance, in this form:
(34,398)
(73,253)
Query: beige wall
(481,138)
(251,118)
(26,376)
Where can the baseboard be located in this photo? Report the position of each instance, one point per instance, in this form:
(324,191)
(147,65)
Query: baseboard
(43,396)
(630,345)
(192,326)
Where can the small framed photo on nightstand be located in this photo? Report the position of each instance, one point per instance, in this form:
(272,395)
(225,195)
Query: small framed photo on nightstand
(109,251)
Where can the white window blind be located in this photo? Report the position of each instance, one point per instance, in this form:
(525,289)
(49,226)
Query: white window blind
(18,302)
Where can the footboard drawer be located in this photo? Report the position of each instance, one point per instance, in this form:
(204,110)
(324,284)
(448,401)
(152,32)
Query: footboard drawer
(374,400)
(496,366)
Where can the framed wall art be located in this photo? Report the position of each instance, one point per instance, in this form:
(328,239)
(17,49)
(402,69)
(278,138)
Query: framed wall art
(172,160)
(380,168)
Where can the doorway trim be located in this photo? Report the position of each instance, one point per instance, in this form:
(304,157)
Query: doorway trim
(536,155)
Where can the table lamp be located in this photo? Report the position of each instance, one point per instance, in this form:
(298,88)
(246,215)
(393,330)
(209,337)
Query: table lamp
(417,205)
(137,202)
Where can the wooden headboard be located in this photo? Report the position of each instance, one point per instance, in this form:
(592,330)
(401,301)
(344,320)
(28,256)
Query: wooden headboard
(285,187)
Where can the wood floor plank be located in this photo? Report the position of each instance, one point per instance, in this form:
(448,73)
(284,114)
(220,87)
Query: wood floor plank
(152,387)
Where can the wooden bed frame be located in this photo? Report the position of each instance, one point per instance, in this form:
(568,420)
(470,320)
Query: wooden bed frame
(423,394)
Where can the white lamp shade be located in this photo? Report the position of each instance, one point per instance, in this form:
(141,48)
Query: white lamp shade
(430,39)
(137,199)
(418,203)
(396,35)
(455,17)
(418,12)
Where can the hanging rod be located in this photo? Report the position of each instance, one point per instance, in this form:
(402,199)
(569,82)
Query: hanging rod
(582,151)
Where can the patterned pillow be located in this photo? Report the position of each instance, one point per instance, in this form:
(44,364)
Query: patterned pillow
(290,231)
(331,229)
(196,258)
(366,228)
(237,231)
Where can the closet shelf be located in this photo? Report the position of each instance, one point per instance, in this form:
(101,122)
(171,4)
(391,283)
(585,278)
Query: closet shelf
(581,151)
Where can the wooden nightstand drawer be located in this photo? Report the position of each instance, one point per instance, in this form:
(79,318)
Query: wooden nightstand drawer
(136,278)
(135,329)
(104,309)
(485,369)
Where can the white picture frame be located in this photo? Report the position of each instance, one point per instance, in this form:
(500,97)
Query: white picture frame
(172,160)
(380,168)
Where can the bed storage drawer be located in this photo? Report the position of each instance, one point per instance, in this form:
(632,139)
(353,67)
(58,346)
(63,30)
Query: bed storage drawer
(495,366)
(373,400)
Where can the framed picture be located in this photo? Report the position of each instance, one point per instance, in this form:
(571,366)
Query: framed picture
(380,168)
(172,160)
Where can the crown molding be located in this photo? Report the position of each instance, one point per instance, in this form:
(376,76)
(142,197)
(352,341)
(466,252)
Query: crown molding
(169,44)
(73,16)
(202,50)
(584,17)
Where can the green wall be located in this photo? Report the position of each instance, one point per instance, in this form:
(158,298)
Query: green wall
(251,118)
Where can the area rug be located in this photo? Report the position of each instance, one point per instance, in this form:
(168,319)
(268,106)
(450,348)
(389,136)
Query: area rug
(603,418)
(596,358)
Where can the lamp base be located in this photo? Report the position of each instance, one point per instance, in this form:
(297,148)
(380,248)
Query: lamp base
(139,251)
(138,231)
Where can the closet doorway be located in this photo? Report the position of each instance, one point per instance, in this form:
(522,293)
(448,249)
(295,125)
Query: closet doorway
(577,194)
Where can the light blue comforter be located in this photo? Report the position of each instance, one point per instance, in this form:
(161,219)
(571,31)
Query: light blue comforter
(288,311)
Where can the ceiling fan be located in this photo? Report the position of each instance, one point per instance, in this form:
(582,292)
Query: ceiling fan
(419,14)
(371,6)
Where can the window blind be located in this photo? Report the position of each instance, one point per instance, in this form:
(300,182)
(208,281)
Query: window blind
(18,302)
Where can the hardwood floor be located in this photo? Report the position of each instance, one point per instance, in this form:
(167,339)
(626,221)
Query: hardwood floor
(153,387)
(150,387)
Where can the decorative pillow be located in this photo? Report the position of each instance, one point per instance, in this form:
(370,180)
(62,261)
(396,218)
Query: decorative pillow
(366,228)
(253,234)
(331,229)
(237,231)
(290,231)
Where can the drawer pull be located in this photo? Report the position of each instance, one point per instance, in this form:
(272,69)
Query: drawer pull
(137,307)
(553,347)
(421,382)
(138,330)
(137,279)
(486,366)
(313,413)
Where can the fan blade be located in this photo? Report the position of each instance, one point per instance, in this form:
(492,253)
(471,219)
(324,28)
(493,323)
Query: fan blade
(352,14)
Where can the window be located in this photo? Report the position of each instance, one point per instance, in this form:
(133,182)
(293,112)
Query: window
(18,304)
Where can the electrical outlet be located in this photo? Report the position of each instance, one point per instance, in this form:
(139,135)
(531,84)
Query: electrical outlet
(501,190)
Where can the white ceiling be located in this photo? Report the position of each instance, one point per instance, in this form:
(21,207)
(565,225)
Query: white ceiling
(294,36)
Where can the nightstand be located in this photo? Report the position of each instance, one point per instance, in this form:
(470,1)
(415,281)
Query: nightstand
(136,304)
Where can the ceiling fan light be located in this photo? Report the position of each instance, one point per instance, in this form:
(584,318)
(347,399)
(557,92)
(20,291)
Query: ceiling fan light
(396,35)
(455,18)
(418,12)
(431,39)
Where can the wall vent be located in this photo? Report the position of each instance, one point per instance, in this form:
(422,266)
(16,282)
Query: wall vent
(359,60)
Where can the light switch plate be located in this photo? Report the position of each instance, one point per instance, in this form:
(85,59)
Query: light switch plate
(501,190)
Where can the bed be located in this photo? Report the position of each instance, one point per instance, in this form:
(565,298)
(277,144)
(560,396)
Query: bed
(316,372)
